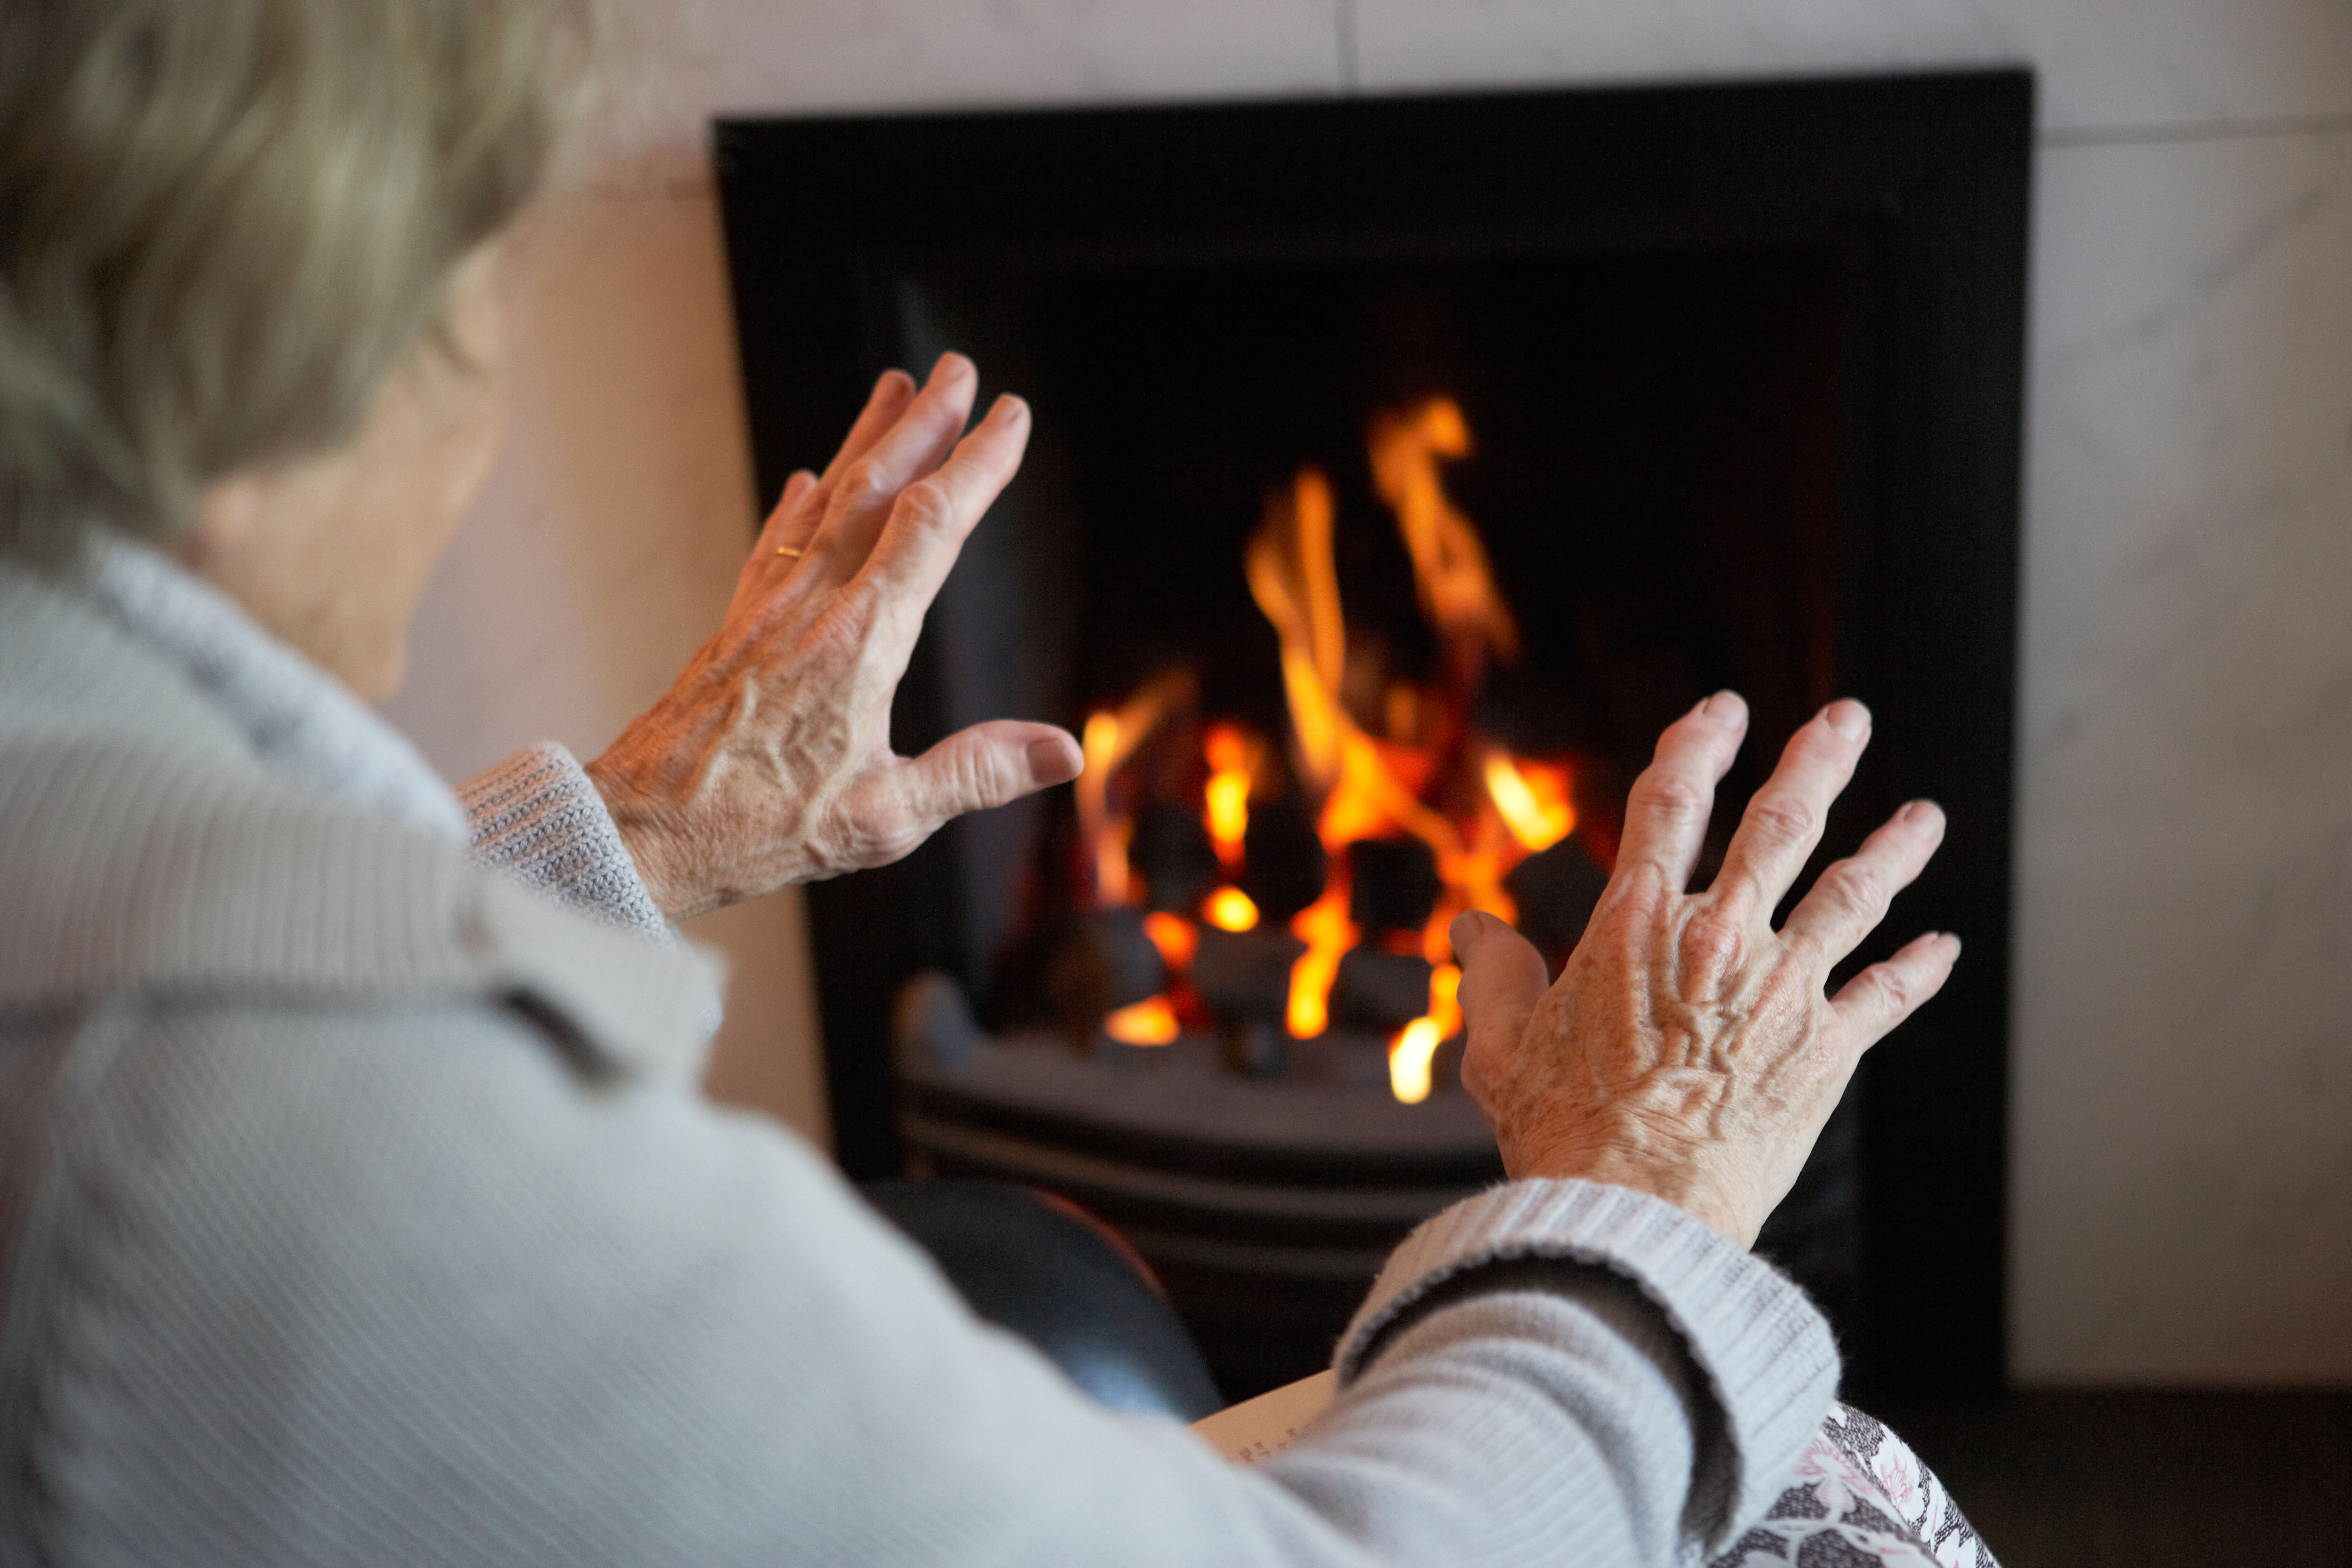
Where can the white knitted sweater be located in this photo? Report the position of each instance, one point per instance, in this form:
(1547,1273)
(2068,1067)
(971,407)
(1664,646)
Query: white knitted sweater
(357,1205)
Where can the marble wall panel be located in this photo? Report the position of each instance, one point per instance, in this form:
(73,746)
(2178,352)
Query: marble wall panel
(2105,64)
(2183,1158)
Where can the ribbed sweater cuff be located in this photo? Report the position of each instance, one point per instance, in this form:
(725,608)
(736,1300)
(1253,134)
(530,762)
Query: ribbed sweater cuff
(1766,1353)
(538,818)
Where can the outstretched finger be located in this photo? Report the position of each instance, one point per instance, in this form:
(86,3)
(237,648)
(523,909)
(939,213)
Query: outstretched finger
(1852,896)
(899,805)
(1667,815)
(1784,821)
(1883,995)
(935,515)
(861,496)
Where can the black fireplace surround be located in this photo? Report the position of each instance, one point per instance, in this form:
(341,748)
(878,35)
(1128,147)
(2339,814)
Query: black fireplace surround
(1743,365)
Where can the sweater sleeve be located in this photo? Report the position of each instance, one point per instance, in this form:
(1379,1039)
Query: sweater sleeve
(427,1295)
(537,817)
(1767,1365)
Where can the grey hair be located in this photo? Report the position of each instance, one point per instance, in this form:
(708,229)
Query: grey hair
(224,223)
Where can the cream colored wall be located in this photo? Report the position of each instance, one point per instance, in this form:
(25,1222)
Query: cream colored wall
(2182,1129)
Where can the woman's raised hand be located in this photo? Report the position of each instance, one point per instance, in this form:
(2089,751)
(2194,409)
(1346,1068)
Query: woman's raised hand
(1689,1049)
(768,762)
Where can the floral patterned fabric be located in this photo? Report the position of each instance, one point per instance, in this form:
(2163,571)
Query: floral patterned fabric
(1861,1499)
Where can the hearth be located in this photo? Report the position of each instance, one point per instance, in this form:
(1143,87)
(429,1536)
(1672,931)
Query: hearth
(1400,468)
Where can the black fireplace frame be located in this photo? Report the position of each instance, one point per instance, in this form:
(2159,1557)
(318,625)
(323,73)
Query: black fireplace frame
(1929,176)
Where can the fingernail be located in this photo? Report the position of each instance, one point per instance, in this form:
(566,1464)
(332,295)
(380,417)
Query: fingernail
(1724,707)
(949,363)
(1954,938)
(1053,761)
(1006,409)
(1848,718)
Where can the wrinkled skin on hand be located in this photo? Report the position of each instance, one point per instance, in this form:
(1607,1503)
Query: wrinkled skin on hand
(1689,1050)
(768,762)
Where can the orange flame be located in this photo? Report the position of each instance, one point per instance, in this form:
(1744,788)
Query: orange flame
(1151,1022)
(1232,769)
(1533,800)
(1328,934)
(1108,740)
(1449,562)
(1410,1053)
(1409,1059)
(1289,566)
(1292,576)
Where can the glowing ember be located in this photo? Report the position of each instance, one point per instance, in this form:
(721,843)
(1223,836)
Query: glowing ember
(1229,909)
(1174,937)
(1151,1022)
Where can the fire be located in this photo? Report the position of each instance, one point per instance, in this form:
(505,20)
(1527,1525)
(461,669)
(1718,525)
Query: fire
(1106,740)
(1229,909)
(1232,769)
(1417,772)
(1327,932)
(1292,576)
(1416,1044)
(1174,937)
(1151,1022)
(1533,800)
(1408,1060)
(1449,562)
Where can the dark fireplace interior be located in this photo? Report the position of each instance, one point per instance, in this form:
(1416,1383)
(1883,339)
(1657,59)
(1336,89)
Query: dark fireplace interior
(1401,470)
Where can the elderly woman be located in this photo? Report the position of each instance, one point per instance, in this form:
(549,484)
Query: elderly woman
(356,1200)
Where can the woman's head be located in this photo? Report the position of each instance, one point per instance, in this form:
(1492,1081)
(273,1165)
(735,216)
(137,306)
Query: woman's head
(224,224)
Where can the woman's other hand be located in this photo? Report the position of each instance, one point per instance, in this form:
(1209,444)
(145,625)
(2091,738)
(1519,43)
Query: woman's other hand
(768,762)
(1689,1049)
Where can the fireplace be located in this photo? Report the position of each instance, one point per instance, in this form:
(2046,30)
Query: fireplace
(1400,468)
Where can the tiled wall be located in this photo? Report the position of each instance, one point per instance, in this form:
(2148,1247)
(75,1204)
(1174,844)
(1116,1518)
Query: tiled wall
(2183,1129)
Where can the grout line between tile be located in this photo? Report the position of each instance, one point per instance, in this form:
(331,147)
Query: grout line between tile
(1352,75)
